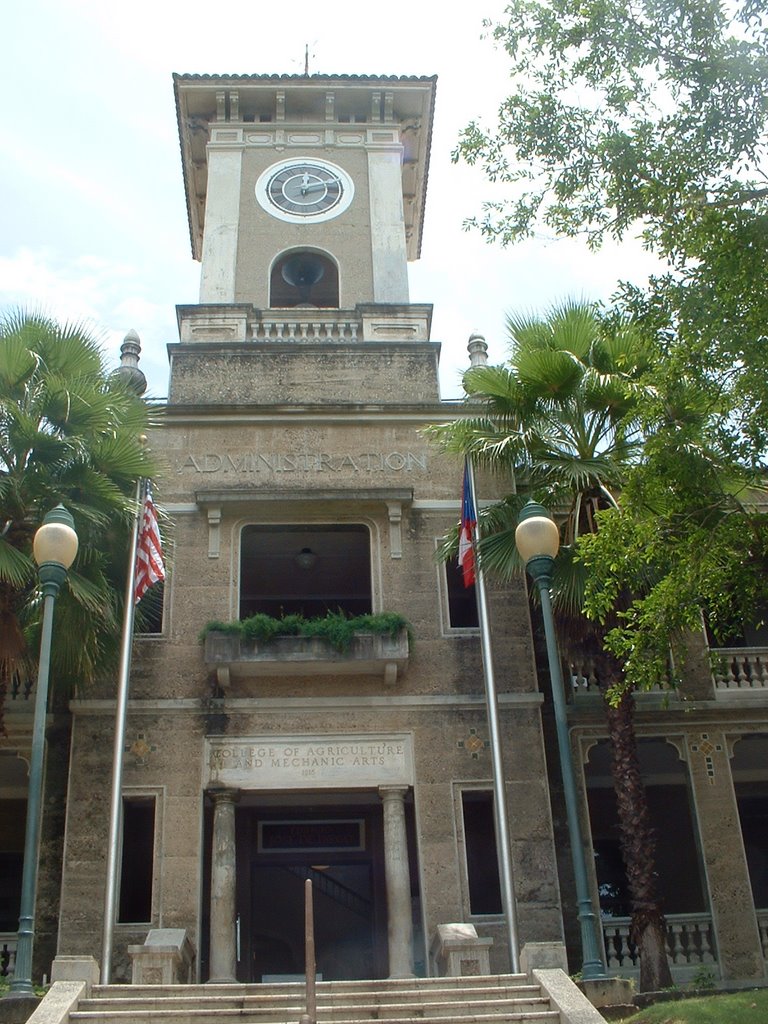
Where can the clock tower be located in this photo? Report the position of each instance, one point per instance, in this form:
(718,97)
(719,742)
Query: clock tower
(305,495)
(305,191)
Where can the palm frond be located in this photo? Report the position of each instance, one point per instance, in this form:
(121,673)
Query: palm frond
(16,567)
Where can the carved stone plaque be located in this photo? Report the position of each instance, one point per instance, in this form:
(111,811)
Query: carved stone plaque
(309,762)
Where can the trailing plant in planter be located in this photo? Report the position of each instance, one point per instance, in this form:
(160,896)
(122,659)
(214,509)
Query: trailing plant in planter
(336,628)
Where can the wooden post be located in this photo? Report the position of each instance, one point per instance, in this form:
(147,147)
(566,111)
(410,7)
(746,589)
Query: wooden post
(310,968)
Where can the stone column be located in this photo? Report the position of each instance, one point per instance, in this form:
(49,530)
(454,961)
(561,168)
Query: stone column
(398,880)
(223,954)
(733,911)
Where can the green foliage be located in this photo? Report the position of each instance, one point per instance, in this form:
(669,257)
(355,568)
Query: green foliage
(336,628)
(691,534)
(69,432)
(648,117)
(704,979)
(559,422)
(636,112)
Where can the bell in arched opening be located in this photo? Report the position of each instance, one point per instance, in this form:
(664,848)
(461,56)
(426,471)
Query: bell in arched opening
(304,279)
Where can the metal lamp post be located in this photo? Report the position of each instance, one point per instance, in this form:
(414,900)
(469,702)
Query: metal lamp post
(537,539)
(54,549)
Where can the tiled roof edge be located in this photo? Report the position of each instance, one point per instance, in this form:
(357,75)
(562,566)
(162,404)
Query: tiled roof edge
(307,78)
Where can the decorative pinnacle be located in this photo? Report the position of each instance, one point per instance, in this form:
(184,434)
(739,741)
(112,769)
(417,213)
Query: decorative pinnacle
(478,349)
(129,371)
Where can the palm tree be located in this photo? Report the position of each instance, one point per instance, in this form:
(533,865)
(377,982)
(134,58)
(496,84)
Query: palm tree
(561,420)
(70,432)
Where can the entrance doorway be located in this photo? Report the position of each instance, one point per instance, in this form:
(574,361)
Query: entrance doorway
(339,847)
(344,920)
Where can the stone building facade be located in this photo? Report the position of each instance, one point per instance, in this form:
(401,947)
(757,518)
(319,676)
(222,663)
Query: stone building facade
(298,479)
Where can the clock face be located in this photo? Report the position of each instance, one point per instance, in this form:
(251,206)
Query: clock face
(304,190)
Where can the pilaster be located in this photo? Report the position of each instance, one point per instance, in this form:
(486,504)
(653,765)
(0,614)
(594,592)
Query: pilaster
(733,912)
(222,217)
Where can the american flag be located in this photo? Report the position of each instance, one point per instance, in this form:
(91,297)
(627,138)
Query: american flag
(149,554)
(467,532)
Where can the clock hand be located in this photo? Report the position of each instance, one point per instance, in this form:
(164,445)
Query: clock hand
(315,185)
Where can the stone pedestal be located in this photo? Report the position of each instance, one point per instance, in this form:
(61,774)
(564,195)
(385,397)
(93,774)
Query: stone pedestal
(76,968)
(166,958)
(459,952)
(223,957)
(398,882)
(543,956)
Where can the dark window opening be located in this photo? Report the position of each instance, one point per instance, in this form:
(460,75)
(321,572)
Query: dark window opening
(480,847)
(677,861)
(13,815)
(149,611)
(462,601)
(137,868)
(752,801)
(304,279)
(305,570)
(750,782)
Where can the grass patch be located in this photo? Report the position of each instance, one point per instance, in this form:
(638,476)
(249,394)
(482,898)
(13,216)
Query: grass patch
(749,1007)
(335,627)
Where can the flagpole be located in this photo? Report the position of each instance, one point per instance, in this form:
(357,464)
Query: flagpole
(110,898)
(501,810)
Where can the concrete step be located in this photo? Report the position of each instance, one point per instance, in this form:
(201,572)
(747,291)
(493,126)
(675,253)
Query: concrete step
(481,982)
(338,1012)
(190,1015)
(494,999)
(372,1000)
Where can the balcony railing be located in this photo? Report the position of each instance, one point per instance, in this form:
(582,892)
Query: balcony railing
(312,326)
(762,924)
(690,945)
(584,680)
(368,654)
(7,953)
(740,670)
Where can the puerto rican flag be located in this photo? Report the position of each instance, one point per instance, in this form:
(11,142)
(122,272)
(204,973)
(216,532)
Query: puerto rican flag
(467,532)
(149,554)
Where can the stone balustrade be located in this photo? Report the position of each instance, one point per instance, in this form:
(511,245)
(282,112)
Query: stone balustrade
(7,953)
(690,944)
(740,669)
(584,680)
(311,326)
(762,923)
(367,322)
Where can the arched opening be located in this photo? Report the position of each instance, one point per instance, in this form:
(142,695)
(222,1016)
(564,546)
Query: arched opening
(677,857)
(304,278)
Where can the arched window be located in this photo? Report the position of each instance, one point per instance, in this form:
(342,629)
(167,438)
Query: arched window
(304,278)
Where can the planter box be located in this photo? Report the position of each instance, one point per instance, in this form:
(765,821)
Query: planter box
(371,654)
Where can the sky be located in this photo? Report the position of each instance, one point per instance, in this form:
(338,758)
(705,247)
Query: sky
(93,225)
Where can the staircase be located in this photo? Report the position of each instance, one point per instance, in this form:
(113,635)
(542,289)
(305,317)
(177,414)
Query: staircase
(495,999)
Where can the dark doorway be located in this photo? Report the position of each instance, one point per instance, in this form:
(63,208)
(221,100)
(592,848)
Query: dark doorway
(344,920)
(340,849)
